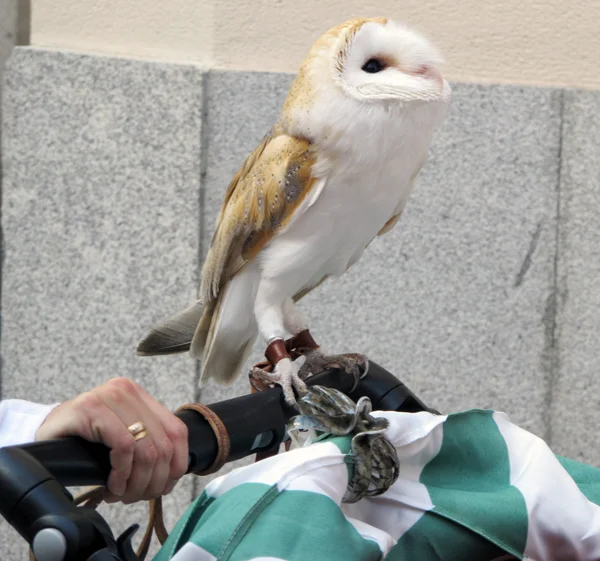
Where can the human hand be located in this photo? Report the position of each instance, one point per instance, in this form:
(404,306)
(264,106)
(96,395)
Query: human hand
(142,469)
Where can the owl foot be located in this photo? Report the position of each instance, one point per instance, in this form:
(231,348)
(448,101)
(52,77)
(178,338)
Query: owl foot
(286,374)
(283,371)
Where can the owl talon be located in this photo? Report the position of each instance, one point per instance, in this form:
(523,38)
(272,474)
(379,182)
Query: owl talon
(317,361)
(286,374)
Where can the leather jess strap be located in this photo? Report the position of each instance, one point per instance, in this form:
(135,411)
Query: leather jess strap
(155,519)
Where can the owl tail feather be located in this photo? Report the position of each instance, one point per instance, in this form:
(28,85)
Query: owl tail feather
(220,334)
(227,331)
(175,335)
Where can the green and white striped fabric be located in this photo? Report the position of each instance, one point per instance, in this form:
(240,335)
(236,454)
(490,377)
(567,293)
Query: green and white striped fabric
(472,486)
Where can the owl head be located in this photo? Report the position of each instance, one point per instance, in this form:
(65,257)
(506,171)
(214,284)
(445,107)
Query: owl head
(364,64)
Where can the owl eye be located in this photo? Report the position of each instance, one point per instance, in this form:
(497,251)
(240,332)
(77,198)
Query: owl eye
(372,66)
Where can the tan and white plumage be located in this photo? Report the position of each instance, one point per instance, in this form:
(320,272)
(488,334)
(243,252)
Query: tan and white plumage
(333,173)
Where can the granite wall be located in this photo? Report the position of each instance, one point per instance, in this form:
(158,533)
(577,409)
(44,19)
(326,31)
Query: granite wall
(8,38)
(484,295)
(8,28)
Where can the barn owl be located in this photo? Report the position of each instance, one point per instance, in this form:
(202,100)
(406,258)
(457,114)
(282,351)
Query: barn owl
(333,173)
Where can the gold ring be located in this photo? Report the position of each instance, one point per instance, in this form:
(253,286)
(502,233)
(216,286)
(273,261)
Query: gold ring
(138,430)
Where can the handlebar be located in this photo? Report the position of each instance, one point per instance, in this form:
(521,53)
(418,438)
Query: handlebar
(33,476)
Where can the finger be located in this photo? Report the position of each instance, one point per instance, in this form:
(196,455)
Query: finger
(121,460)
(172,461)
(114,434)
(177,446)
(109,497)
(150,469)
(159,457)
(158,482)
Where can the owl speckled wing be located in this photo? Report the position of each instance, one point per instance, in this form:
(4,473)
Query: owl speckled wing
(260,200)
(267,191)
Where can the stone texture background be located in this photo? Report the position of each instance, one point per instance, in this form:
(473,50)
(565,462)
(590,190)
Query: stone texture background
(482,296)
(573,408)
(8,32)
(106,229)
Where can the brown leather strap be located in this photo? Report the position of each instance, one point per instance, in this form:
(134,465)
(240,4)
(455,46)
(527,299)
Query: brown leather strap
(90,498)
(303,340)
(145,541)
(159,526)
(155,524)
(276,351)
(221,434)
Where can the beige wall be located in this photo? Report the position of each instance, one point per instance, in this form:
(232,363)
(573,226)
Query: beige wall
(545,42)
(159,29)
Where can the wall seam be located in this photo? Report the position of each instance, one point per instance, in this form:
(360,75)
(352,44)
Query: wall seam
(204,146)
(553,302)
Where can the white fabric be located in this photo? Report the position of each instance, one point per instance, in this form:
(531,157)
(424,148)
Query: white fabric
(192,552)
(557,506)
(20,419)
(286,471)
(527,504)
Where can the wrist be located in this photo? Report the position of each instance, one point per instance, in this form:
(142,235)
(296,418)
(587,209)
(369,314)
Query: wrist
(41,432)
(20,421)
